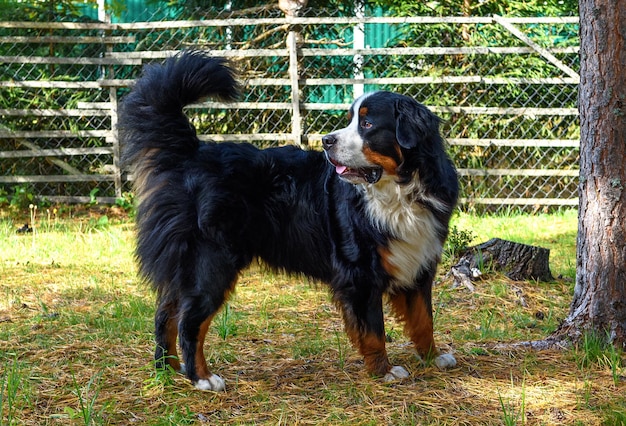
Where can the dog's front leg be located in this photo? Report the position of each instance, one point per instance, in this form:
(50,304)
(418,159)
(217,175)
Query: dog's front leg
(414,308)
(364,322)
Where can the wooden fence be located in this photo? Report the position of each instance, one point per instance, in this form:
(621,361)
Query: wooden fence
(69,149)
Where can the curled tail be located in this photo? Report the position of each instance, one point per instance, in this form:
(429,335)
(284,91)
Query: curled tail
(151,118)
(157,139)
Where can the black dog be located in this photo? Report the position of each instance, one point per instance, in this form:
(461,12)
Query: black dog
(368,217)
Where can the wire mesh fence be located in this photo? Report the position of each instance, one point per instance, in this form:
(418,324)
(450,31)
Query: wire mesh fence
(505,88)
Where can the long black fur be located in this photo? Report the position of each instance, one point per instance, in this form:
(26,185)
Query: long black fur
(207,210)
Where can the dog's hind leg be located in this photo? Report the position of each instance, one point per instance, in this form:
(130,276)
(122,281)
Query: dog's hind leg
(196,317)
(166,331)
(215,276)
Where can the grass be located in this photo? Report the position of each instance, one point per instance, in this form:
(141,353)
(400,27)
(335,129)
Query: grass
(76,343)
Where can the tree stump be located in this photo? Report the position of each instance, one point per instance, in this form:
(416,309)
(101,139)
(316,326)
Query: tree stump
(518,261)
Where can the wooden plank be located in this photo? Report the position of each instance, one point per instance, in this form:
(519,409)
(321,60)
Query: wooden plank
(59,163)
(55,152)
(312,137)
(530,112)
(56,178)
(53,112)
(98,84)
(244,137)
(95,105)
(400,81)
(68,61)
(301,21)
(521,143)
(296,117)
(517,172)
(241,105)
(42,84)
(68,199)
(281,21)
(521,201)
(524,143)
(435,108)
(115,143)
(395,51)
(17,134)
(57,25)
(338,21)
(235,53)
(571,202)
(428,51)
(68,39)
(542,51)
(504,111)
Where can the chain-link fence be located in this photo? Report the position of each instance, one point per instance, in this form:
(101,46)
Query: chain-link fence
(506,89)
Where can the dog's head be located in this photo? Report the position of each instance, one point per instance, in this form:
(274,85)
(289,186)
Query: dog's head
(387,131)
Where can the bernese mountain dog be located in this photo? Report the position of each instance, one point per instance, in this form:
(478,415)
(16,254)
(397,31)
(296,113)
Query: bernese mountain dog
(368,216)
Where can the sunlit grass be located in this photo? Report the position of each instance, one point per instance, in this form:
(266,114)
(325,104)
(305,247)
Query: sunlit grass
(76,343)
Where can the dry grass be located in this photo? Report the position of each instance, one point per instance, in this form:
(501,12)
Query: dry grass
(76,342)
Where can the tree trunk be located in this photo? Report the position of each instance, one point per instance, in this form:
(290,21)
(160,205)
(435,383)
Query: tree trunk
(599,302)
(518,261)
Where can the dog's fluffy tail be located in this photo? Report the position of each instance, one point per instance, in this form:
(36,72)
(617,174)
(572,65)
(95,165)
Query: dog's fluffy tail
(157,138)
(151,121)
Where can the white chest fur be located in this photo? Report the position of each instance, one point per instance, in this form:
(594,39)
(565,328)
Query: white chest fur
(414,228)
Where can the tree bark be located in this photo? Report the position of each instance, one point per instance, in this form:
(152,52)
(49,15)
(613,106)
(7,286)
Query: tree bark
(599,302)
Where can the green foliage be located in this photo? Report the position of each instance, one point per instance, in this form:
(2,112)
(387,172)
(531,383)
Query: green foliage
(226,322)
(37,11)
(457,242)
(87,398)
(512,415)
(480,8)
(9,386)
(22,197)
(127,203)
(615,417)
(596,349)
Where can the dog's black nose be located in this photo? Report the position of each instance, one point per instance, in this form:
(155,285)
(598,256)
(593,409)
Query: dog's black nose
(328,141)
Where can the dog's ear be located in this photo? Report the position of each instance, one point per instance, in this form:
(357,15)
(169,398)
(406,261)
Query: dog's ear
(415,124)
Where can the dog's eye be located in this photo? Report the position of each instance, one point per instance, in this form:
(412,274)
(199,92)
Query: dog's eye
(366,124)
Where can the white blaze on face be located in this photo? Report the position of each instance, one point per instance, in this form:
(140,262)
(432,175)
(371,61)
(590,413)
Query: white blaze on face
(348,150)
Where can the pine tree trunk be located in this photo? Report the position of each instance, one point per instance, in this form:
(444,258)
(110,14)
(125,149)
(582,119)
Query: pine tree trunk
(599,302)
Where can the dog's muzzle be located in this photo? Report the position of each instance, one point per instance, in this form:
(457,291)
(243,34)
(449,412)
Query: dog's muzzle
(350,174)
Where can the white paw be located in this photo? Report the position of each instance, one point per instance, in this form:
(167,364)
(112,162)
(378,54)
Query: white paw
(183,369)
(213,383)
(444,361)
(396,373)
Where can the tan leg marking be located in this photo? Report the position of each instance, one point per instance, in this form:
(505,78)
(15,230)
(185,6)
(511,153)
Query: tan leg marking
(418,321)
(171,333)
(202,369)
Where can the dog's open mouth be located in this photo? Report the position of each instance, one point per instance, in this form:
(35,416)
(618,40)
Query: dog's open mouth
(357,175)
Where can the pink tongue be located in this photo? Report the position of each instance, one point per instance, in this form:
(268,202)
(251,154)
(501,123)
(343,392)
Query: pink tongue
(340,169)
